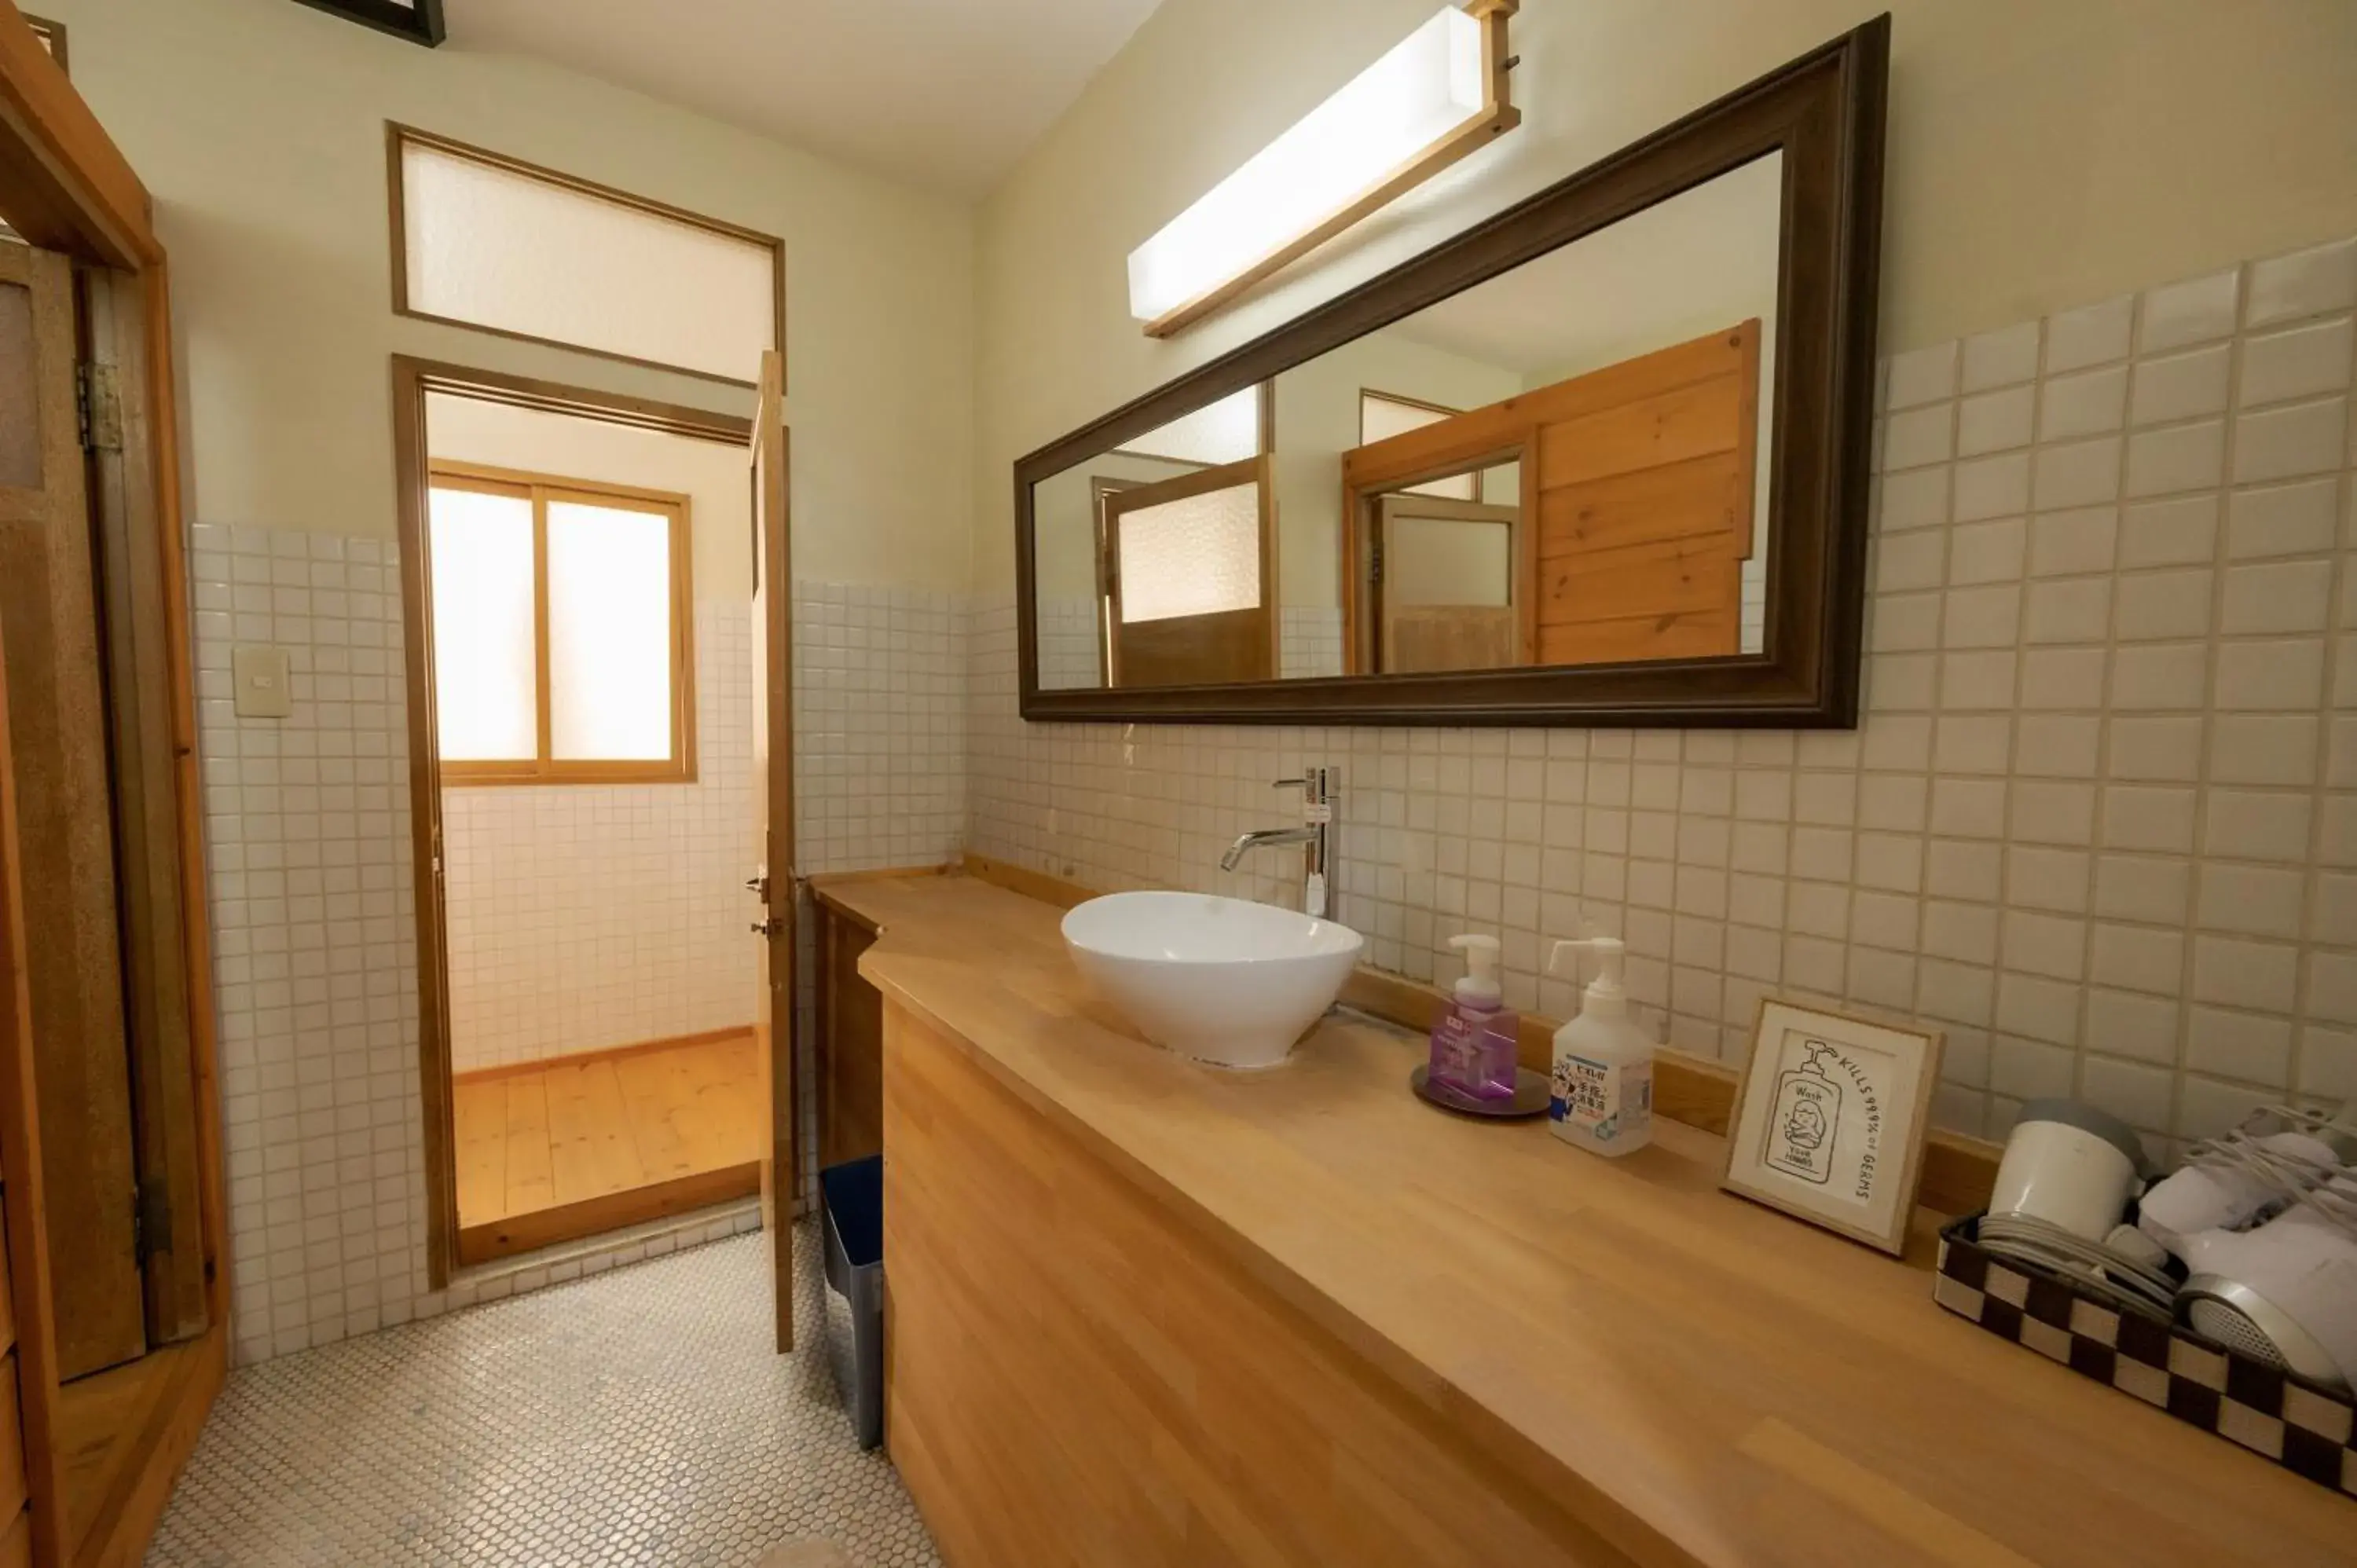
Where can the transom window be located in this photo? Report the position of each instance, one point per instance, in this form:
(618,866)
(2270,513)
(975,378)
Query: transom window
(564,641)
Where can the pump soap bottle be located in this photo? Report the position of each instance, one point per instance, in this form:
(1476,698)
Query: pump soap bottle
(1601,1099)
(1473,1039)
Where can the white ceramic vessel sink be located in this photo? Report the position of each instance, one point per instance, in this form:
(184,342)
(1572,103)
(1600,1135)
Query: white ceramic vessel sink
(1220,980)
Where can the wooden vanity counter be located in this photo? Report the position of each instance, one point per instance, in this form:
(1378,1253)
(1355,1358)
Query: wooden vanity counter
(1143,1313)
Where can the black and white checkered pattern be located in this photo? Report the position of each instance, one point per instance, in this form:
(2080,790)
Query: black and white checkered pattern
(2296,1425)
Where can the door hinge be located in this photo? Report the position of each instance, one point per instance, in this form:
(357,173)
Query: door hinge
(151,1222)
(1376,565)
(98,405)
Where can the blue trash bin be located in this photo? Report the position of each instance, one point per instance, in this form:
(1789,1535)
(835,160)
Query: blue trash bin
(851,1201)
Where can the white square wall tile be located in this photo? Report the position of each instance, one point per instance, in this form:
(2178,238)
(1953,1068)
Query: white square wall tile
(2307,360)
(2091,334)
(2189,385)
(2001,358)
(2178,531)
(2083,473)
(1922,375)
(2301,518)
(2278,599)
(2176,457)
(2195,311)
(2305,283)
(2093,403)
(1919,436)
(1991,486)
(1994,421)
(2293,439)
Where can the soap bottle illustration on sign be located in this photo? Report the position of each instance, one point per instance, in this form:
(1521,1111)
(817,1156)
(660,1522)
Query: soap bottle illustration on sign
(1807,1109)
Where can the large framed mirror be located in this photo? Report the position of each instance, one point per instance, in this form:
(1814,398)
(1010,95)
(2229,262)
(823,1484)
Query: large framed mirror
(1600,460)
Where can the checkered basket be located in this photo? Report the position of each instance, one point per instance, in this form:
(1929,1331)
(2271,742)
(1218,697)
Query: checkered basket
(2287,1419)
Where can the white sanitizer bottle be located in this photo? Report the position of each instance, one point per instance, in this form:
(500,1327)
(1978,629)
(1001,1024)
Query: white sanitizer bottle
(1601,1097)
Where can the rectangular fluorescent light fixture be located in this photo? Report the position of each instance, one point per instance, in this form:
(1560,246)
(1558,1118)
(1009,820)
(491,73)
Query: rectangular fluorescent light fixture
(1440,93)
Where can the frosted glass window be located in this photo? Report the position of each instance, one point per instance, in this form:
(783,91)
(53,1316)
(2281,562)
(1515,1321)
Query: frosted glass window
(1198,555)
(1227,431)
(562,649)
(486,663)
(1445,561)
(609,633)
(486,244)
(1381,418)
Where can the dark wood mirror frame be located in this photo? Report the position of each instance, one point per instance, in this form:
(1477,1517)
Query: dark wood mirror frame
(1824,113)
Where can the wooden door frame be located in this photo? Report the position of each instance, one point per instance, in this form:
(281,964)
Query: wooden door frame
(1370,474)
(770,471)
(413,380)
(65,187)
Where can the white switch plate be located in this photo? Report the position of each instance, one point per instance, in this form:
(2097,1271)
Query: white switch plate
(264,679)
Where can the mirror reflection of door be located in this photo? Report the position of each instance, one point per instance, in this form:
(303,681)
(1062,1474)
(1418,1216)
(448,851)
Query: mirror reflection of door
(1640,502)
(1186,568)
(1444,582)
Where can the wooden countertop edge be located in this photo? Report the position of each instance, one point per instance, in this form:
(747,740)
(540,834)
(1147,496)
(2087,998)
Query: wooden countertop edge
(1547,1477)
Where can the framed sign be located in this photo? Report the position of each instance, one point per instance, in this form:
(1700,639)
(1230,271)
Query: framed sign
(1830,1118)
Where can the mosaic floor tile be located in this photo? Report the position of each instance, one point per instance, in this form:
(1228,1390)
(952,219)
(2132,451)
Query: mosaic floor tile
(636,1418)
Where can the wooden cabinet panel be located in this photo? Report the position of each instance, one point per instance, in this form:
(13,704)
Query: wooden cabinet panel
(17,1545)
(850,1046)
(1075,1377)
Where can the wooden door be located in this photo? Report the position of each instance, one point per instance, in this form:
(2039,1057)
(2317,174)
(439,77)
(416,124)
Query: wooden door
(1447,587)
(1645,504)
(57,734)
(773,879)
(1205,540)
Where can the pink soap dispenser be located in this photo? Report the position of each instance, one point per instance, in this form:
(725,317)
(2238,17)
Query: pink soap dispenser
(1473,1040)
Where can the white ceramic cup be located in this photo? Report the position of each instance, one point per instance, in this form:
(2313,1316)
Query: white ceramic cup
(2070,1165)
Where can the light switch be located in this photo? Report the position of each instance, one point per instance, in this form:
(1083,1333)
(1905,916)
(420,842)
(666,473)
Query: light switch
(264,681)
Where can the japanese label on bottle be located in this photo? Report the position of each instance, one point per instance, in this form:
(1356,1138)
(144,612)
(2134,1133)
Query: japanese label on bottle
(1601,1102)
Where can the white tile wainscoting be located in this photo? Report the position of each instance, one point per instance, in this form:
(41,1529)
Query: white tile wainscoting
(308,836)
(2100,819)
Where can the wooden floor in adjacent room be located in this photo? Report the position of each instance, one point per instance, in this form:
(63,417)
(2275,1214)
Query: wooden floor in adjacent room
(553,1151)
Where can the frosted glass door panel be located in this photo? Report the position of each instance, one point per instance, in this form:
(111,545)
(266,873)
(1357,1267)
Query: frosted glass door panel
(496,248)
(1196,556)
(609,630)
(485,659)
(1442,561)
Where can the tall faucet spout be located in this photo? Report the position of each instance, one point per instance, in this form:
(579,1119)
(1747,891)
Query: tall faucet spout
(1247,842)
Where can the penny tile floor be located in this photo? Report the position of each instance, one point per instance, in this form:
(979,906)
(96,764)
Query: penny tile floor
(639,1417)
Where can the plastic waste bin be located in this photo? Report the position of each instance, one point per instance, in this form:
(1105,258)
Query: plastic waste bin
(851,1199)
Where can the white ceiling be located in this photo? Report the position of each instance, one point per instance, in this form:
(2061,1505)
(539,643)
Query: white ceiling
(943,94)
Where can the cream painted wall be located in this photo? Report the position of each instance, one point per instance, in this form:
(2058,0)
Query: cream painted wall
(713,476)
(2041,156)
(259,126)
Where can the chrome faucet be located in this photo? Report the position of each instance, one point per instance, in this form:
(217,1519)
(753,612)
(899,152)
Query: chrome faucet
(1314,834)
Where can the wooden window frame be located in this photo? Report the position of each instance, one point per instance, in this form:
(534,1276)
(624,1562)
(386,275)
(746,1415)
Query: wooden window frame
(539,490)
(397,135)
